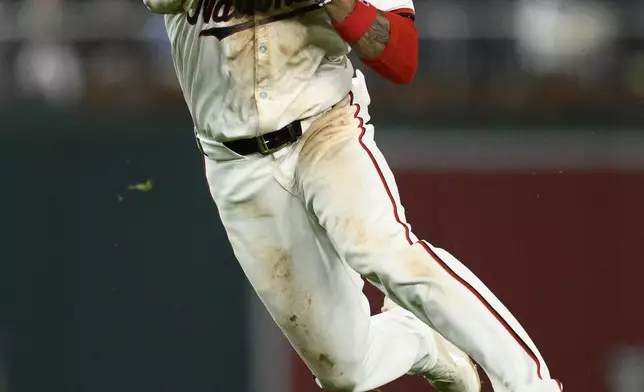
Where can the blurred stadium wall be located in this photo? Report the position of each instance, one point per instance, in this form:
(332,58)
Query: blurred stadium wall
(519,147)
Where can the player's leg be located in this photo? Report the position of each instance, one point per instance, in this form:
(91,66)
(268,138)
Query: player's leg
(314,297)
(345,182)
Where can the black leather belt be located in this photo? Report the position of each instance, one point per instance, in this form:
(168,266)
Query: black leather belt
(267,143)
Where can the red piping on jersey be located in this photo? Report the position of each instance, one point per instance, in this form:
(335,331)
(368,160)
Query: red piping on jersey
(436,258)
(398,62)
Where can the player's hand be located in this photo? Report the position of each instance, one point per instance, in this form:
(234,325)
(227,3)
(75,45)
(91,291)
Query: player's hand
(169,6)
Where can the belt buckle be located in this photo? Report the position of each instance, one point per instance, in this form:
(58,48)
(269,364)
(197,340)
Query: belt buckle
(262,144)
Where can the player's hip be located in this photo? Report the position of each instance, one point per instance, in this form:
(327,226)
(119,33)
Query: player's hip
(264,130)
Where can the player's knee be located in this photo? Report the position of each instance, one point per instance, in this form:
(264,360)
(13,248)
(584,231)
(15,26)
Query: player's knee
(340,382)
(341,378)
(409,265)
(413,277)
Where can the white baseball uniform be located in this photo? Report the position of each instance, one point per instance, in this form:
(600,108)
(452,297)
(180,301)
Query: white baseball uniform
(307,221)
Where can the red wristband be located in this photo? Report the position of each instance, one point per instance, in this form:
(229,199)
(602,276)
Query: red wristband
(358,22)
(398,62)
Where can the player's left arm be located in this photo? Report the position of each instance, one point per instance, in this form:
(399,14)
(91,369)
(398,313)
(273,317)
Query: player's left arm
(386,41)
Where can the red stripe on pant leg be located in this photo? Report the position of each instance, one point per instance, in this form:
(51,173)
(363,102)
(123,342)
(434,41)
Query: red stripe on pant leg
(434,256)
(380,174)
(560,385)
(489,307)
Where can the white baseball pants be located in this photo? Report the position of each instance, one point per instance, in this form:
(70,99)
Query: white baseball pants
(307,222)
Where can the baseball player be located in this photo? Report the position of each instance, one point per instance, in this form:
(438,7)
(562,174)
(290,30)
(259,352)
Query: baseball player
(311,207)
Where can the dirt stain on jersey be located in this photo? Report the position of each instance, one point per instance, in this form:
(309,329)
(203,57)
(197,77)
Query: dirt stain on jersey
(418,262)
(354,228)
(308,344)
(290,40)
(255,209)
(298,326)
(295,301)
(280,261)
(292,306)
(325,361)
(240,53)
(328,136)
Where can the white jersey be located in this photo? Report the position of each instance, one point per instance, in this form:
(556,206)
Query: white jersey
(246,75)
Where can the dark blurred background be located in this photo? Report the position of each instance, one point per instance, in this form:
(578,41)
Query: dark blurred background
(519,147)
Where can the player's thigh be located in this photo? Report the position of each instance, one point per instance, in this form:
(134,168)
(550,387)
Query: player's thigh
(347,184)
(314,297)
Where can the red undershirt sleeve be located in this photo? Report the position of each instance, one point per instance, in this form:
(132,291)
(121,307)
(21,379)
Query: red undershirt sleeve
(399,60)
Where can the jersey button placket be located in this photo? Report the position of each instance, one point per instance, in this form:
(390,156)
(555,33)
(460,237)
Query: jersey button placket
(262,66)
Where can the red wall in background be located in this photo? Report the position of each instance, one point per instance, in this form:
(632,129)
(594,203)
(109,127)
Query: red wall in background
(564,251)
